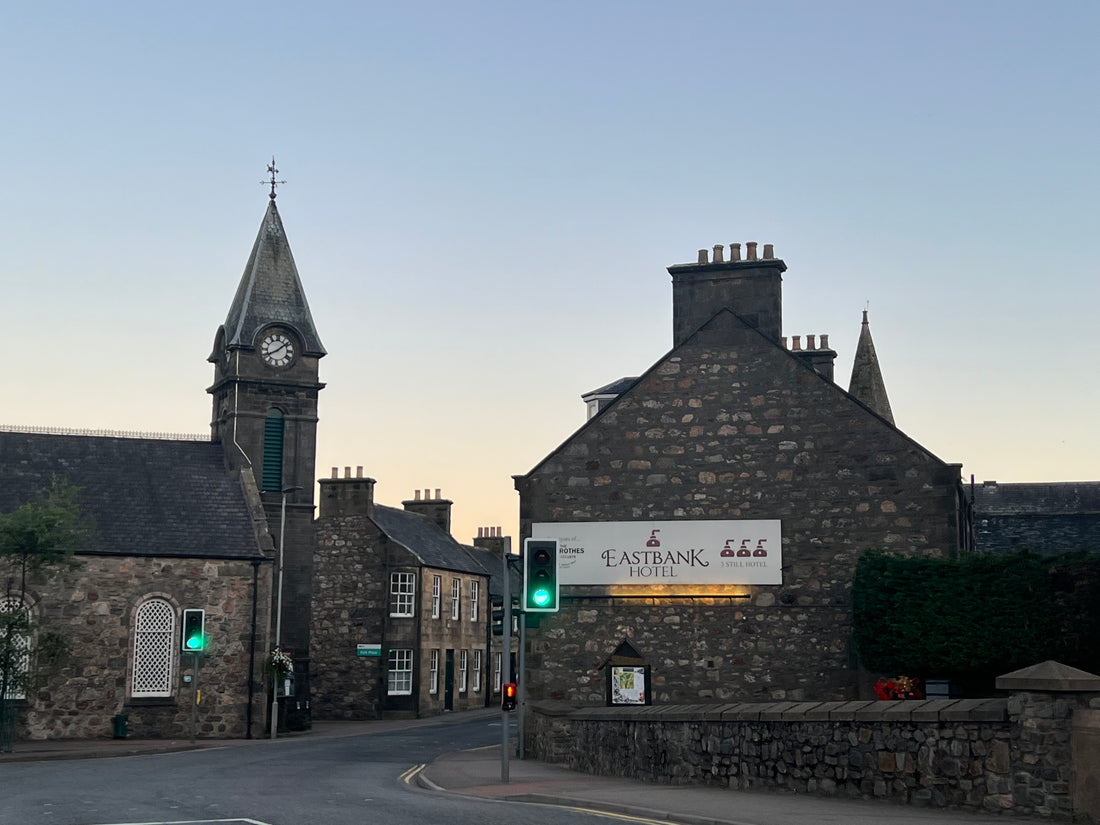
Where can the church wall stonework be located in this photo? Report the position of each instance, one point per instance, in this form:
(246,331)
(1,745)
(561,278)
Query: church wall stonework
(737,431)
(93,608)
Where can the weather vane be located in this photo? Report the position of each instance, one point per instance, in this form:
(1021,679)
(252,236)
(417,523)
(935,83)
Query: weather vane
(274,171)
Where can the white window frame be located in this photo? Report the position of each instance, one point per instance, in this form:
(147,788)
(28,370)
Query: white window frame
(402,594)
(14,604)
(475,598)
(498,675)
(399,673)
(456,599)
(476,681)
(156,624)
(433,671)
(437,596)
(463,669)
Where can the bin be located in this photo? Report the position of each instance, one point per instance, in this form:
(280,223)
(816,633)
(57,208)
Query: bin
(121,722)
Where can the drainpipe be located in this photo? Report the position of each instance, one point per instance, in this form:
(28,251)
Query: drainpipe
(252,649)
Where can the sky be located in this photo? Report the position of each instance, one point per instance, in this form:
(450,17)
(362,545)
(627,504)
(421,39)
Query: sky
(483,198)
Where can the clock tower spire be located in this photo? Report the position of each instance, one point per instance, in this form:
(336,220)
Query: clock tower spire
(266,384)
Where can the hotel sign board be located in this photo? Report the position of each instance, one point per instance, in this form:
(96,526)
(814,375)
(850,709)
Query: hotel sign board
(666,552)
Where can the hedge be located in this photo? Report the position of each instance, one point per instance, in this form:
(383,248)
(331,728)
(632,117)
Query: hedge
(976,616)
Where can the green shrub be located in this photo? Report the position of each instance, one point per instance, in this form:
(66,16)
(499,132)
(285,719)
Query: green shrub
(975,617)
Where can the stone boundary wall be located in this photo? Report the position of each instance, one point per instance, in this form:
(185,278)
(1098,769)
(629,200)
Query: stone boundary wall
(995,755)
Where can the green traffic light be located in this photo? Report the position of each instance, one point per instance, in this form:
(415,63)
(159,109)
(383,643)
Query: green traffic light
(540,597)
(194,643)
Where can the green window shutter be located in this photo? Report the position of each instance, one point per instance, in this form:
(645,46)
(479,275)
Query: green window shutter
(273,451)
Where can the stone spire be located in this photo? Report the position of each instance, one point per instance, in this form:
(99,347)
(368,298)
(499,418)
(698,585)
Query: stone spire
(270,291)
(867,385)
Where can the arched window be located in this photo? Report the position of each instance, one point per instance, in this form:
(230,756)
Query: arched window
(273,451)
(15,647)
(154,633)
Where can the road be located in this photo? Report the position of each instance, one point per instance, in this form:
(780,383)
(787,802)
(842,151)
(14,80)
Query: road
(342,781)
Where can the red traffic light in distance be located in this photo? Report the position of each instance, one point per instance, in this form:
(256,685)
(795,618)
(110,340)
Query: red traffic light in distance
(508,696)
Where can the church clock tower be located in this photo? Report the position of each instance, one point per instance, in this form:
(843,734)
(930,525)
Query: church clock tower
(265,390)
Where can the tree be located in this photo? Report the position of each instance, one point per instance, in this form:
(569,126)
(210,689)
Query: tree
(37,538)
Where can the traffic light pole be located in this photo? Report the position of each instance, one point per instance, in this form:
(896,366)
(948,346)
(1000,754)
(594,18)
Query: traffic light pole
(194,693)
(520,751)
(505,668)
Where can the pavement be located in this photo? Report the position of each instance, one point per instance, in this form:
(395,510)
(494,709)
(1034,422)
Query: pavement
(478,773)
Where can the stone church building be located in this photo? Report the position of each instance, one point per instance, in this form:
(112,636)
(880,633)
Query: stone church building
(225,525)
(741,431)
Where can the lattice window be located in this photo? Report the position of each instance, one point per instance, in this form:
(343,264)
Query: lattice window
(154,634)
(15,660)
(402,591)
(400,681)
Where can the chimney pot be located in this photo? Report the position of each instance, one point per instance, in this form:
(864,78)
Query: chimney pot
(824,341)
(437,495)
(750,254)
(796,342)
(703,256)
(416,495)
(347,472)
(718,256)
(335,472)
(769,251)
(810,343)
(735,251)
(358,472)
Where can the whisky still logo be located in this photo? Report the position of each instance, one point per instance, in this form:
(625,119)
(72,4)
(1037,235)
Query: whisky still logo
(666,552)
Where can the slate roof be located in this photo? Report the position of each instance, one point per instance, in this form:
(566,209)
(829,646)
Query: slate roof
(425,540)
(271,291)
(147,497)
(1045,517)
(490,561)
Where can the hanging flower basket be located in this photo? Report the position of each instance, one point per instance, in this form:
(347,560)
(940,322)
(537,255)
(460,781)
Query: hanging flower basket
(280,664)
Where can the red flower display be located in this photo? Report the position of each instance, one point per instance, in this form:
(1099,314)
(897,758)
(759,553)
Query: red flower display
(901,687)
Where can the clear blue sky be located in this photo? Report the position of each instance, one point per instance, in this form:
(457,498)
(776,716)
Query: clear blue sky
(482,199)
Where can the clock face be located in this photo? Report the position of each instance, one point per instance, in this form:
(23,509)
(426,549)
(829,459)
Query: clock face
(277,349)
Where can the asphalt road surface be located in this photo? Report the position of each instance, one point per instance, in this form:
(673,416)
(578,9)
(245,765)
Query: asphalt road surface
(354,780)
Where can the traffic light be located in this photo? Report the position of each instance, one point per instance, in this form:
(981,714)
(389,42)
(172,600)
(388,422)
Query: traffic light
(508,696)
(540,575)
(193,639)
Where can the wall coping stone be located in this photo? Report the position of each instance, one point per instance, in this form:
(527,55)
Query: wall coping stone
(846,709)
(896,711)
(1050,676)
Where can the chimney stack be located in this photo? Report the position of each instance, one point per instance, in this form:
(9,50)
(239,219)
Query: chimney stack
(436,509)
(347,496)
(751,288)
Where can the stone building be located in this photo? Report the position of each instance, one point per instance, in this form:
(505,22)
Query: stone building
(188,523)
(1043,517)
(172,529)
(401,610)
(760,481)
